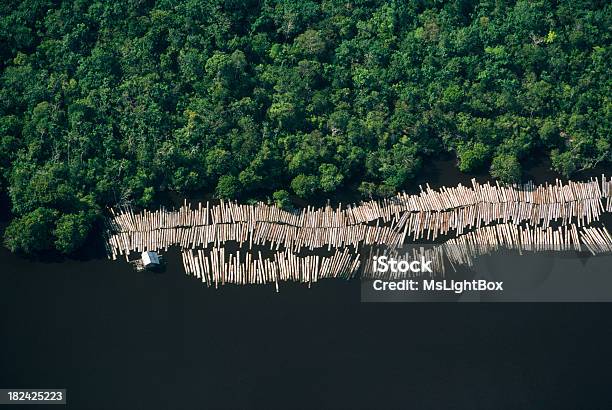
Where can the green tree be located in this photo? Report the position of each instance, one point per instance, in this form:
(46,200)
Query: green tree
(367,189)
(71,231)
(228,187)
(563,162)
(281,199)
(304,185)
(472,156)
(32,232)
(330,178)
(309,44)
(506,168)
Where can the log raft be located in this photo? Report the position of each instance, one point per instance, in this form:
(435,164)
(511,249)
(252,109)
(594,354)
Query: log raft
(558,216)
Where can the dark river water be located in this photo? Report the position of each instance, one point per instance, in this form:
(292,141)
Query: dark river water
(117,339)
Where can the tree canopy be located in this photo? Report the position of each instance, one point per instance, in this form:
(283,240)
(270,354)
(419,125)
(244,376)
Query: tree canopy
(108,102)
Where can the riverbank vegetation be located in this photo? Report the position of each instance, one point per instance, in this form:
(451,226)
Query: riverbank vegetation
(103,103)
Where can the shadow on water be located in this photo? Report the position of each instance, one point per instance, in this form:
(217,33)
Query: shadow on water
(443,171)
(538,168)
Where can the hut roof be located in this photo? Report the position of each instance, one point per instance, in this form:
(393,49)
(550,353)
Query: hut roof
(150,258)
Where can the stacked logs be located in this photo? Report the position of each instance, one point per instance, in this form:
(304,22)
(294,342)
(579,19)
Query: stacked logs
(482,218)
(274,235)
(213,267)
(542,198)
(430,225)
(423,216)
(606,192)
(464,249)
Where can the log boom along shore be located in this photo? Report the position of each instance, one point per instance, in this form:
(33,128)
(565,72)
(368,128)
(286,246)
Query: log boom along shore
(473,221)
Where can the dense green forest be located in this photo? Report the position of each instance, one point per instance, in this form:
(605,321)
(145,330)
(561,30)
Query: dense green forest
(111,102)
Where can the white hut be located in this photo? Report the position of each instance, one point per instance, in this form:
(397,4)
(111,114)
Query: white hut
(150,260)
